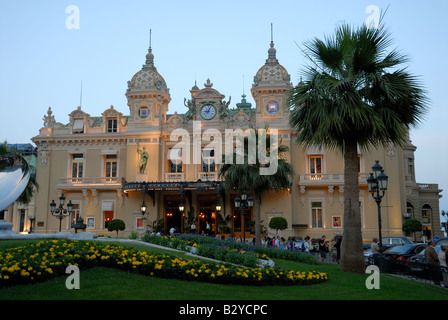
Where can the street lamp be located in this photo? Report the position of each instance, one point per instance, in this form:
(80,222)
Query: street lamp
(245,204)
(60,212)
(377,183)
(143,208)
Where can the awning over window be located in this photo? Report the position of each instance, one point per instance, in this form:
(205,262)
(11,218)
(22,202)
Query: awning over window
(107,206)
(78,125)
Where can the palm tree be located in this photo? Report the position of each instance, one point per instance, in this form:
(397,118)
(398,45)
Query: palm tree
(245,176)
(350,97)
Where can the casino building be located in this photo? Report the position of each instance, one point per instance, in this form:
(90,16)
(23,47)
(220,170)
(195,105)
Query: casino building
(109,165)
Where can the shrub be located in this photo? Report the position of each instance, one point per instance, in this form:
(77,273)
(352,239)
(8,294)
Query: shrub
(116,225)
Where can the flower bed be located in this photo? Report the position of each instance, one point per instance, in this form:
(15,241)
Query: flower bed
(218,249)
(47,259)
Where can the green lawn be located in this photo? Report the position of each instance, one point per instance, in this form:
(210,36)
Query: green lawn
(111,284)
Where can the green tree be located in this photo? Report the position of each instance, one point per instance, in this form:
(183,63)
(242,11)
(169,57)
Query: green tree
(355,93)
(412,225)
(116,225)
(245,173)
(278,223)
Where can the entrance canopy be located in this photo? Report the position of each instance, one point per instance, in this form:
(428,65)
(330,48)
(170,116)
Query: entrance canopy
(174,186)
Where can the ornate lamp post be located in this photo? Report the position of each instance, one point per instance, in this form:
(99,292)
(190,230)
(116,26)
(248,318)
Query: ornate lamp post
(377,183)
(245,204)
(60,212)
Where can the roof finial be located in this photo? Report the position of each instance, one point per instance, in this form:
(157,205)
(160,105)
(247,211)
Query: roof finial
(149,55)
(272,52)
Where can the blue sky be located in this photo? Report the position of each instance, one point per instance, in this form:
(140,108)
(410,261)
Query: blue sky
(43,62)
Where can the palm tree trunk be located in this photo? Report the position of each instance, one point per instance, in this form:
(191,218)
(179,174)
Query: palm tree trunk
(352,258)
(257,217)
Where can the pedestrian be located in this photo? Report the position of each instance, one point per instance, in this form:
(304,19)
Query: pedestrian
(306,245)
(282,243)
(374,247)
(292,243)
(337,245)
(323,248)
(442,258)
(432,259)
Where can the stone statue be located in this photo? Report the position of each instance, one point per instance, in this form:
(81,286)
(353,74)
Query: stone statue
(49,119)
(143,159)
(224,108)
(191,108)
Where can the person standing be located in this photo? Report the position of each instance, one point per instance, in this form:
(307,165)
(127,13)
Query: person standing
(432,259)
(374,246)
(323,245)
(442,258)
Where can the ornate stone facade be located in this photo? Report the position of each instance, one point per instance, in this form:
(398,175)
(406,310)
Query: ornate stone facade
(95,162)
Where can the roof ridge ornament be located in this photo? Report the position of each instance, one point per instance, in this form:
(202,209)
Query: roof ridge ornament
(208,84)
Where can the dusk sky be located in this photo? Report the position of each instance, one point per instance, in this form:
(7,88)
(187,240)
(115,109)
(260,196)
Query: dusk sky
(49,47)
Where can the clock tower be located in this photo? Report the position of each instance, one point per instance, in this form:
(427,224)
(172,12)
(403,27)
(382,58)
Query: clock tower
(207,105)
(270,91)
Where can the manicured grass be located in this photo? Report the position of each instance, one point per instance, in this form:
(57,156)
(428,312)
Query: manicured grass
(102,283)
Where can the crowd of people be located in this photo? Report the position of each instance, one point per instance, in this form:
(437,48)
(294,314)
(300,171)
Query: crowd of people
(322,247)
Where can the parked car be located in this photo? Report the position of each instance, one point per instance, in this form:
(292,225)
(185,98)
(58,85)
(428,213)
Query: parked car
(401,254)
(388,242)
(417,264)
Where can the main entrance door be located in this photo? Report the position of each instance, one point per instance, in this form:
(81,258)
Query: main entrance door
(173,217)
(207,215)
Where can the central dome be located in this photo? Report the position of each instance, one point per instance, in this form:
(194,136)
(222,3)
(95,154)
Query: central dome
(148,79)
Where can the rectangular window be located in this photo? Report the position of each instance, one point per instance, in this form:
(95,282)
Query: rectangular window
(316,214)
(175,160)
(411,168)
(315,163)
(77,165)
(75,214)
(112,125)
(208,160)
(111,166)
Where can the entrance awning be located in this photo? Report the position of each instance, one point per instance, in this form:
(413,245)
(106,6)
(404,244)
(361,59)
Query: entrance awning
(174,186)
(184,187)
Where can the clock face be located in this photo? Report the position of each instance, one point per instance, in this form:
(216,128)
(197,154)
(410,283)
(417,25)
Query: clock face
(208,112)
(272,107)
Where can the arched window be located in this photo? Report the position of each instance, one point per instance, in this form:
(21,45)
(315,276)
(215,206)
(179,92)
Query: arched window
(426,214)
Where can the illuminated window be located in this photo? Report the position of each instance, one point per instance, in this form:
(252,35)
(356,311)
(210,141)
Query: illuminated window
(426,214)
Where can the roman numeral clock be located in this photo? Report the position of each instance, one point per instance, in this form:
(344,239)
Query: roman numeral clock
(208,111)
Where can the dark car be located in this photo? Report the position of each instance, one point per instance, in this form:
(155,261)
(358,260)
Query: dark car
(399,256)
(417,264)
(395,241)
